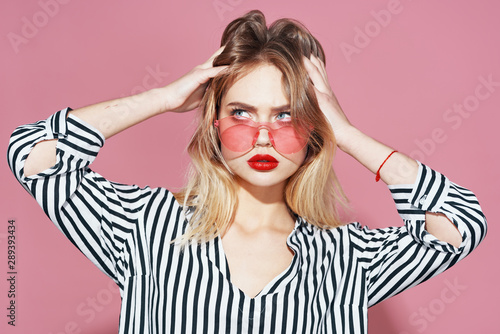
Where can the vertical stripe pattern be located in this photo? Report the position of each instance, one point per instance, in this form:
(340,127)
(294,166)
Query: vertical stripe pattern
(335,275)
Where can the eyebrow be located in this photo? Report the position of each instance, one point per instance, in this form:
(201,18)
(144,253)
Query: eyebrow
(285,107)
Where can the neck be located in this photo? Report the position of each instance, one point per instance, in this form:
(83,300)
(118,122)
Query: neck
(262,208)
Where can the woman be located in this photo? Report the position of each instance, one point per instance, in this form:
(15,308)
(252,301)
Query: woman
(253,243)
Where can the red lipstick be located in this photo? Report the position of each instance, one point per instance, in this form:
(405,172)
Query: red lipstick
(263,162)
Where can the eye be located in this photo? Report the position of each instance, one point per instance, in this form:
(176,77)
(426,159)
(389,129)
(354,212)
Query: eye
(240,113)
(284,116)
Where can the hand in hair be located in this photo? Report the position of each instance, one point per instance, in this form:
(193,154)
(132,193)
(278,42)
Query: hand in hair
(326,98)
(400,169)
(185,93)
(111,117)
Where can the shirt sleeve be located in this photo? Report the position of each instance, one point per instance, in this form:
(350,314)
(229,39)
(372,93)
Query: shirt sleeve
(397,258)
(96,215)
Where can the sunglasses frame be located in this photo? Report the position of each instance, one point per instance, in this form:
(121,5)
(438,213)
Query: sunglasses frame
(271,127)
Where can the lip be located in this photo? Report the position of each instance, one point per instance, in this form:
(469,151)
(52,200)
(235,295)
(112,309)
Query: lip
(263,162)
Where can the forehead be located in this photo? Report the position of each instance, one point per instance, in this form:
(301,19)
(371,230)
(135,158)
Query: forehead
(261,86)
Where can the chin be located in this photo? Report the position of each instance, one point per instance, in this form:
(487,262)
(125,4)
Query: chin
(263,181)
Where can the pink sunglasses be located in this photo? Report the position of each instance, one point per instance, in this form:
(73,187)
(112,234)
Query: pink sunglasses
(239,134)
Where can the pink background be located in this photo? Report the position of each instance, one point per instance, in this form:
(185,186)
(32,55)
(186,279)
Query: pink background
(398,87)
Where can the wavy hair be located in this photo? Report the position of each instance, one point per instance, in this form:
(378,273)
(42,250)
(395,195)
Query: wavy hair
(313,192)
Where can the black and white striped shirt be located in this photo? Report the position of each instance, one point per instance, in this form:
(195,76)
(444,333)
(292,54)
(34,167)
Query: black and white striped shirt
(335,275)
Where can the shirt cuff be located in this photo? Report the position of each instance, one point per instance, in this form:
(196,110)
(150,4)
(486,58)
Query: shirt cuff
(77,137)
(78,142)
(428,193)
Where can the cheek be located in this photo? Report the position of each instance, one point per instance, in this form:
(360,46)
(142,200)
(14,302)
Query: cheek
(229,155)
(297,158)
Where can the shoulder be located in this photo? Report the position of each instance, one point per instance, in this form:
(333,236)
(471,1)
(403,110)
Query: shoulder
(329,238)
(148,207)
(334,232)
(162,214)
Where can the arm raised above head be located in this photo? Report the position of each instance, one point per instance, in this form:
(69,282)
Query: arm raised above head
(95,214)
(114,116)
(393,167)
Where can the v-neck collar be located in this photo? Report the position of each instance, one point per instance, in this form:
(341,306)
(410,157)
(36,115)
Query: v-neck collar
(216,255)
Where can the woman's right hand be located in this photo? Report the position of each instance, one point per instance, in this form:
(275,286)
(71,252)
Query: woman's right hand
(111,117)
(185,93)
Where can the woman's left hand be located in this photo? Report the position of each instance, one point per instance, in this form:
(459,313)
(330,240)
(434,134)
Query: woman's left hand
(327,100)
(400,169)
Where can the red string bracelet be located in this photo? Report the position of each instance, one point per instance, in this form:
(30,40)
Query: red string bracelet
(377,177)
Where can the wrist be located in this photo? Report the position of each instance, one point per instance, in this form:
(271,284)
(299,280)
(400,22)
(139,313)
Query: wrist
(158,98)
(348,139)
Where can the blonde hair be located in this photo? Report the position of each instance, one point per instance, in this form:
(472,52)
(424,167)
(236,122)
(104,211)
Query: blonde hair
(313,192)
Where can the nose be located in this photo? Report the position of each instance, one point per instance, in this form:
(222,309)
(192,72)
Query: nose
(263,138)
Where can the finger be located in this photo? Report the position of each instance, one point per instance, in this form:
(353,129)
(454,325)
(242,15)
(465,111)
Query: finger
(320,65)
(317,78)
(321,99)
(209,73)
(317,61)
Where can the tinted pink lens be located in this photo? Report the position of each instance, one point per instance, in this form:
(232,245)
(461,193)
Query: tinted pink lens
(238,138)
(287,140)
(239,134)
